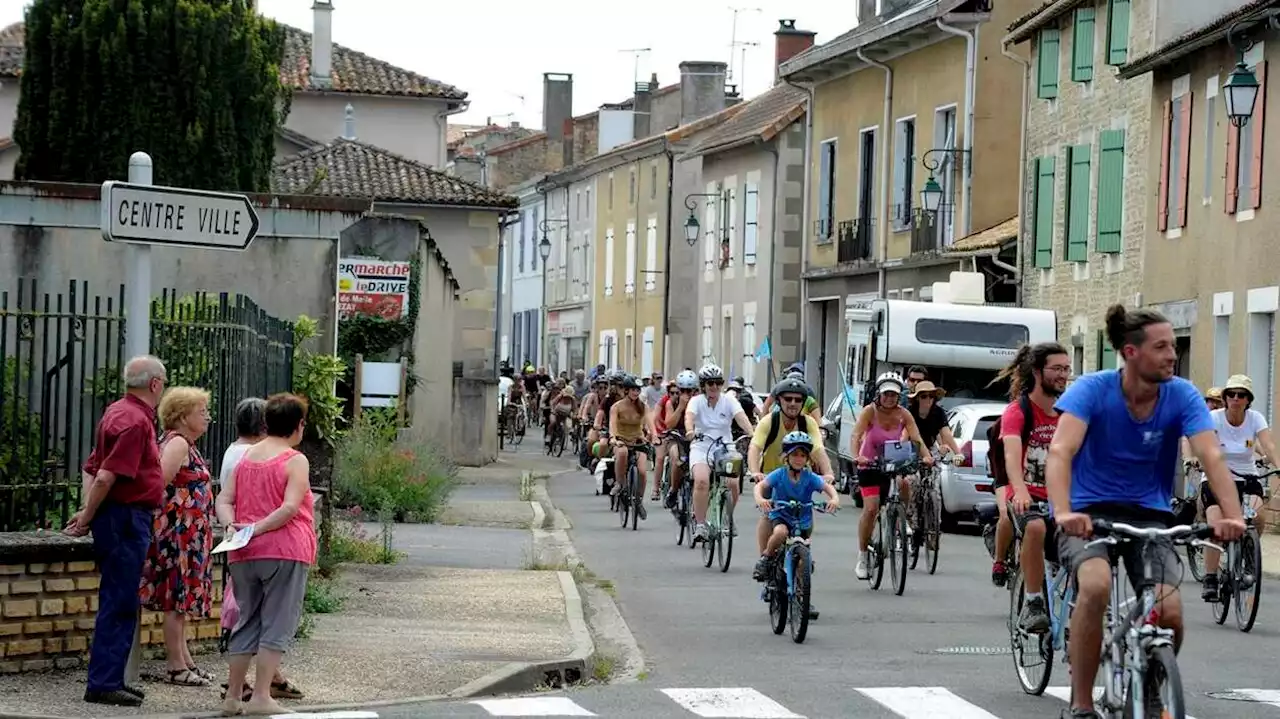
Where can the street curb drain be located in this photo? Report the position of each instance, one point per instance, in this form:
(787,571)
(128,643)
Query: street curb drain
(969,651)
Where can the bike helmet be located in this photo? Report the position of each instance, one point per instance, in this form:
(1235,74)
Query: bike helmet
(687,380)
(795,375)
(790,385)
(629,382)
(615,377)
(735,384)
(796,440)
(710,373)
(889,382)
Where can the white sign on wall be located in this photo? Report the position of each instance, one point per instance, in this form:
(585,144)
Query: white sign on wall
(367,286)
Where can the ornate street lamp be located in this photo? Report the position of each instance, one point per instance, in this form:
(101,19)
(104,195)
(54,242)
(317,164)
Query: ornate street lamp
(692,228)
(1241,88)
(931,195)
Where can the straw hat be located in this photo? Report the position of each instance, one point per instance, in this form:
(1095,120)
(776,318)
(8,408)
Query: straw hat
(926,387)
(1239,381)
(1214,393)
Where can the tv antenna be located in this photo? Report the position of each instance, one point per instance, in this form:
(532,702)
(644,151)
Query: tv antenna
(733,38)
(637,52)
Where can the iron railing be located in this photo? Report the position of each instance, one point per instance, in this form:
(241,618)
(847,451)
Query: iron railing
(928,229)
(61,362)
(854,241)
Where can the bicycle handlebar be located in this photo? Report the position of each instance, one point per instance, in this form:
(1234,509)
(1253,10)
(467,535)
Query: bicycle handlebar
(1264,475)
(794,505)
(1180,534)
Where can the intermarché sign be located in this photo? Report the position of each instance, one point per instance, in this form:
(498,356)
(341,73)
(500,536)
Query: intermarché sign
(369,286)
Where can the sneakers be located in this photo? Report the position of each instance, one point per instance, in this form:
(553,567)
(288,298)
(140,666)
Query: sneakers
(616,489)
(1080,714)
(670,502)
(1209,590)
(700,531)
(999,574)
(640,509)
(119,697)
(1035,616)
(861,571)
(762,569)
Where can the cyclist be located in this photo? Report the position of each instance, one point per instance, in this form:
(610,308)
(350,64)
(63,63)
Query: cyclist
(673,418)
(1037,378)
(1242,431)
(561,406)
(659,412)
(1114,456)
(915,375)
(601,449)
(884,420)
(792,482)
(811,406)
(630,424)
(710,414)
(931,420)
(587,410)
(1213,398)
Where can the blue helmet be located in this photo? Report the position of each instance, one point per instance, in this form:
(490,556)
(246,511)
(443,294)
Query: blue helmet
(796,440)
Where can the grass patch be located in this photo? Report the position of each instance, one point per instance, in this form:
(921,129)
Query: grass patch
(581,574)
(602,667)
(321,598)
(351,543)
(526,486)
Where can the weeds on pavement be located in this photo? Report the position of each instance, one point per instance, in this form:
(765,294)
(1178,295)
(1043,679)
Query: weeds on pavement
(602,667)
(321,598)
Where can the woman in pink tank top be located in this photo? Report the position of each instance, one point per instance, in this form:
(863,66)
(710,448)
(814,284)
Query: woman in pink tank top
(880,422)
(269,490)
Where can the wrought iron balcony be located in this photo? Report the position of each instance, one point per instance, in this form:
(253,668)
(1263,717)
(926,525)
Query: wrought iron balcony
(854,241)
(928,229)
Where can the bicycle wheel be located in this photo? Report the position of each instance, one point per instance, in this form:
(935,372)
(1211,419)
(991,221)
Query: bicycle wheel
(1032,654)
(799,609)
(517,436)
(917,506)
(686,509)
(725,555)
(1222,607)
(713,527)
(557,443)
(1248,580)
(633,489)
(877,552)
(1195,561)
(1161,687)
(623,503)
(898,549)
(779,602)
(931,526)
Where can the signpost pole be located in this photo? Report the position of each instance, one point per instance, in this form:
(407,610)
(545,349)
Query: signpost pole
(138,273)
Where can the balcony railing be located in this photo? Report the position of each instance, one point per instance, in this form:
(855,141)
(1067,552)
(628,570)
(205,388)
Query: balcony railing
(853,243)
(929,229)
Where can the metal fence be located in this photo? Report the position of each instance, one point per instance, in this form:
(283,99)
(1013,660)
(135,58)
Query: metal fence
(62,358)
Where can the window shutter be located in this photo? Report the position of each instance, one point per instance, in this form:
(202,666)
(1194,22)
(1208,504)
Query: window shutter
(651,255)
(1047,64)
(1162,194)
(1258,123)
(1082,45)
(710,243)
(608,262)
(1111,191)
(646,356)
(629,280)
(1117,32)
(1044,211)
(534,239)
(748,348)
(899,172)
(1184,157)
(733,226)
(824,191)
(1078,203)
(1231,196)
(751,228)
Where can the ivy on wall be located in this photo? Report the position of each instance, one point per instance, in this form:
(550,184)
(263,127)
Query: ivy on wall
(382,340)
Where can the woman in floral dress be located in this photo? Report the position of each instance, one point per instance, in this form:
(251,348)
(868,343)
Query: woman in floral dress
(178,576)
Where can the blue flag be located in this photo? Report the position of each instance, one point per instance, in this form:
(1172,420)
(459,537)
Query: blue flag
(765,352)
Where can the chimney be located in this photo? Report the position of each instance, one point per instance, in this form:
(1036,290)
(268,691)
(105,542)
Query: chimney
(642,108)
(702,89)
(557,111)
(789,42)
(866,12)
(322,43)
(349,123)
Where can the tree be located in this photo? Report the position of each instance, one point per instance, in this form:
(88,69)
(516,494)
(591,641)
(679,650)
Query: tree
(193,83)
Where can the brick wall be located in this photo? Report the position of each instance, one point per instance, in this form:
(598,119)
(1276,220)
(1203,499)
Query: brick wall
(47,613)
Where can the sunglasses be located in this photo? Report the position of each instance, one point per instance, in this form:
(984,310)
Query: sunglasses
(791,400)
(714,383)
(1235,394)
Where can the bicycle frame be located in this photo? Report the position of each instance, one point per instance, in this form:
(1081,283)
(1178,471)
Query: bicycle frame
(1060,598)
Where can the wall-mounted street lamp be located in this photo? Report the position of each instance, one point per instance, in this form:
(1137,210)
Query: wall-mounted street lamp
(692,228)
(544,251)
(931,195)
(1241,88)
(544,247)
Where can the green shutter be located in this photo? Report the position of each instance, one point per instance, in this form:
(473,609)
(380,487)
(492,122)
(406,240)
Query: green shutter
(1110,191)
(1078,203)
(1117,31)
(1106,353)
(1082,45)
(1047,64)
(1044,212)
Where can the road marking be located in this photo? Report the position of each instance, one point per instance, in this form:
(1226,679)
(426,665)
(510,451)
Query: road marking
(926,703)
(328,715)
(1261,696)
(730,703)
(533,707)
(1064,693)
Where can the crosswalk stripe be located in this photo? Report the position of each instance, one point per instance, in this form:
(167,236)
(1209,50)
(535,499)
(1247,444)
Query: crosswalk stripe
(730,703)
(533,707)
(1261,696)
(926,703)
(1064,693)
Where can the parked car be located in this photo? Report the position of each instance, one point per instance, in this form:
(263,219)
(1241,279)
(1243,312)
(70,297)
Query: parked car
(965,485)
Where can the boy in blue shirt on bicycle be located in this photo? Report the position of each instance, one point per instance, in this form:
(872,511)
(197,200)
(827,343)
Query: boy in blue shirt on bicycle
(792,482)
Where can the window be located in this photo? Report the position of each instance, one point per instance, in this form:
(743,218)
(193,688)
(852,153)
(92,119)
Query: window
(524,232)
(1244,148)
(646,353)
(588,194)
(1221,349)
(1261,360)
(1082,45)
(908,293)
(866,174)
(751,230)
(578,198)
(1077,229)
(518,351)
(725,354)
(631,193)
(904,150)
(944,137)
(629,350)
(608,348)
(1117,31)
(1106,353)
(653,181)
(826,190)
(610,205)
(1110,191)
(748,347)
(534,238)
(1047,64)
(651,255)
(1210,122)
(972,334)
(1044,168)
(711,212)
(1175,161)
(608,262)
(629,281)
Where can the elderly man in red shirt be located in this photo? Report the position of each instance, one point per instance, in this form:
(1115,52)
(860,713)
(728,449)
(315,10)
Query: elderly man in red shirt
(123,485)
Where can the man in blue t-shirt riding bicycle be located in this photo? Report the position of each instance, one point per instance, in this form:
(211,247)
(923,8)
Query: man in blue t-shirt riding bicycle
(1114,456)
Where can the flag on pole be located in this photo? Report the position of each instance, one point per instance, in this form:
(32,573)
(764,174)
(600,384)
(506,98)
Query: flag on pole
(765,352)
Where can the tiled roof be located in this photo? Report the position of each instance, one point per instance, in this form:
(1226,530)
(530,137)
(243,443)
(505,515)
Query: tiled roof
(762,118)
(349,168)
(626,104)
(992,238)
(297,138)
(457,133)
(353,72)
(1208,34)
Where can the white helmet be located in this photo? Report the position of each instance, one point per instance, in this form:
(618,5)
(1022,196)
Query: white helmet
(889,381)
(710,372)
(687,380)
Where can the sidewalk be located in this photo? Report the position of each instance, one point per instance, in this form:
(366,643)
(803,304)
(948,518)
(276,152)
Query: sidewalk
(461,614)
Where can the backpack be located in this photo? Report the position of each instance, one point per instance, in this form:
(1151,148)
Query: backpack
(775,426)
(995,445)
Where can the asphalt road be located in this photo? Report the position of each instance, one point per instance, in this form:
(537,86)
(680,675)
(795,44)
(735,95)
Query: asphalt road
(710,652)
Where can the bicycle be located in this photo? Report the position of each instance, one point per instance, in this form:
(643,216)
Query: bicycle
(928,512)
(683,511)
(555,444)
(1240,570)
(1135,651)
(788,588)
(1060,598)
(891,528)
(1187,507)
(726,462)
(630,496)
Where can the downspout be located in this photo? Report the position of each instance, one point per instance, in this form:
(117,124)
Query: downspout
(771,148)
(542,319)
(886,173)
(804,217)
(504,222)
(1022,169)
(666,263)
(564,263)
(970,70)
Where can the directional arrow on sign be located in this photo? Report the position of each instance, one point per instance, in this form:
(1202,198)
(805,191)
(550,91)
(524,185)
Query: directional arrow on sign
(156,215)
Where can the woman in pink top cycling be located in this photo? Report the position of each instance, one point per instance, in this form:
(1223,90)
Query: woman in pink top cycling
(270,490)
(881,421)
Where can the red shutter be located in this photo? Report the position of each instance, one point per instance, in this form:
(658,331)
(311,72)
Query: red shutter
(1233,187)
(1162,210)
(1184,156)
(1259,124)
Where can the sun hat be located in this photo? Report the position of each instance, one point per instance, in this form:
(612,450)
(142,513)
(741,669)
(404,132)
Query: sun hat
(924,386)
(1239,381)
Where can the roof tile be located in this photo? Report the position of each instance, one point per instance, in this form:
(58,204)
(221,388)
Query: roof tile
(988,239)
(761,117)
(349,168)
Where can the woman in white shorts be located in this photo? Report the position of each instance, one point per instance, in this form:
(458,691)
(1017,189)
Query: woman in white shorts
(711,415)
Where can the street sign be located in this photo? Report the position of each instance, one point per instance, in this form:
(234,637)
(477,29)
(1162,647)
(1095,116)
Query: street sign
(157,215)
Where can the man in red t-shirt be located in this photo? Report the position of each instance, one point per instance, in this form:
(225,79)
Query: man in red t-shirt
(1041,372)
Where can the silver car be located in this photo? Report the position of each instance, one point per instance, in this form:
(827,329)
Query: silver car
(966,485)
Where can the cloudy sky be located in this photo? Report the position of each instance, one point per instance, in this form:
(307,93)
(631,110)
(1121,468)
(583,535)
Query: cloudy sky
(497,50)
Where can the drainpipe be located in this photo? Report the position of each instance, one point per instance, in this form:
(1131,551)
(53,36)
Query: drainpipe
(970,69)
(504,222)
(886,173)
(772,149)
(666,263)
(804,216)
(1022,169)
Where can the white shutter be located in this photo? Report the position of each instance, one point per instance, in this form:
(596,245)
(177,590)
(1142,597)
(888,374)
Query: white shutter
(733,225)
(587,270)
(712,211)
(750,232)
(899,171)
(707,336)
(748,349)
(646,354)
(651,255)
(608,262)
(630,281)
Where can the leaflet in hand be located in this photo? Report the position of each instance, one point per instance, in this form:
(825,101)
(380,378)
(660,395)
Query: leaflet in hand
(239,540)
